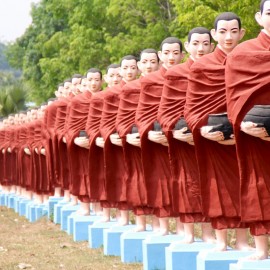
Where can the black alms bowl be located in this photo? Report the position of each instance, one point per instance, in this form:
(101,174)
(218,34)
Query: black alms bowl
(259,114)
(220,122)
(181,123)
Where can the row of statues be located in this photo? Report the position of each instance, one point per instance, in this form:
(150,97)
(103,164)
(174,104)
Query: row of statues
(173,140)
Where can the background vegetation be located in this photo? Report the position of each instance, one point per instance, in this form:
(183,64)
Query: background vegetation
(70,36)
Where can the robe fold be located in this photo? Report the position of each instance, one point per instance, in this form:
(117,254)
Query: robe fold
(186,199)
(115,172)
(61,153)
(2,161)
(42,181)
(248,84)
(155,159)
(96,180)
(78,156)
(136,189)
(218,168)
(24,159)
(49,120)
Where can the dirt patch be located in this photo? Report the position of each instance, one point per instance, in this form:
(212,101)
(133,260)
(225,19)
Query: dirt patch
(43,246)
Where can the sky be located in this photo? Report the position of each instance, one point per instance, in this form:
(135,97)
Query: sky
(14,18)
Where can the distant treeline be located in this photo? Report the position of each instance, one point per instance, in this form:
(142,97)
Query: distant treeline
(70,36)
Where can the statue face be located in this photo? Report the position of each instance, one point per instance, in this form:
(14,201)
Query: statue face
(148,63)
(263,18)
(66,90)
(75,85)
(129,70)
(113,77)
(199,45)
(170,55)
(94,81)
(227,35)
(84,85)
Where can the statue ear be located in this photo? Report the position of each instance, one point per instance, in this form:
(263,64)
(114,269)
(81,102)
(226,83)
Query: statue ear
(213,34)
(160,55)
(258,18)
(186,46)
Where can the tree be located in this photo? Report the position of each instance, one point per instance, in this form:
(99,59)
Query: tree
(12,94)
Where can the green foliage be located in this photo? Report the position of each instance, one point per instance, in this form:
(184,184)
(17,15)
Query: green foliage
(70,36)
(12,94)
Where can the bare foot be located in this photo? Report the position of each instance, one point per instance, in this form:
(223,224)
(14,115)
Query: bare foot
(82,213)
(255,257)
(209,239)
(220,247)
(72,203)
(139,228)
(104,220)
(187,240)
(163,232)
(122,222)
(244,247)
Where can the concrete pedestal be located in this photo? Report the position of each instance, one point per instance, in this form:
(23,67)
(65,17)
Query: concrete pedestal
(131,246)
(80,226)
(11,200)
(52,201)
(251,265)
(67,210)
(57,211)
(111,239)
(213,260)
(181,256)
(22,206)
(154,251)
(95,233)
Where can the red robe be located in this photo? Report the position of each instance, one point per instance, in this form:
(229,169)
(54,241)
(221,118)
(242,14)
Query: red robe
(185,175)
(136,189)
(61,147)
(219,177)
(10,158)
(96,180)
(49,120)
(115,173)
(248,83)
(2,168)
(155,158)
(78,156)
(24,159)
(42,185)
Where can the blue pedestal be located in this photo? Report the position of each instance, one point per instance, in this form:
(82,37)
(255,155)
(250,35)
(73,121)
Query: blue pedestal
(40,211)
(111,239)
(70,223)
(131,246)
(80,226)
(28,210)
(32,212)
(183,256)
(2,199)
(22,206)
(52,201)
(95,233)
(11,200)
(251,265)
(154,251)
(67,210)
(6,199)
(213,260)
(17,200)
(57,211)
